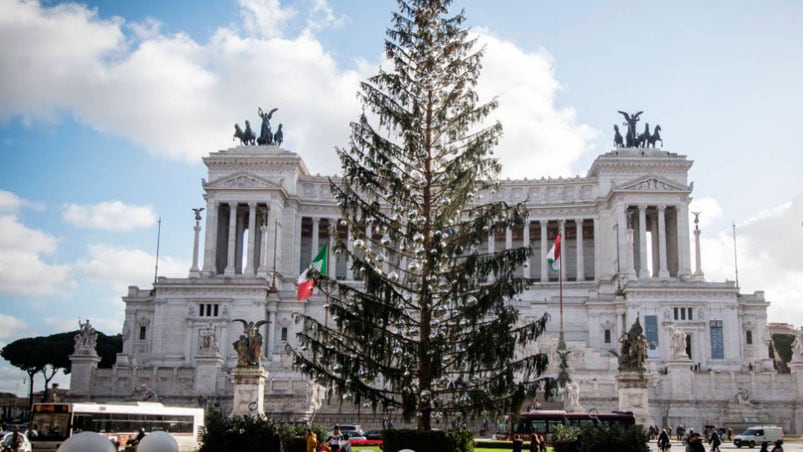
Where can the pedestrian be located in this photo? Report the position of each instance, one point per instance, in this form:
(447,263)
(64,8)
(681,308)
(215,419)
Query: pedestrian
(535,443)
(517,443)
(312,441)
(695,443)
(275,440)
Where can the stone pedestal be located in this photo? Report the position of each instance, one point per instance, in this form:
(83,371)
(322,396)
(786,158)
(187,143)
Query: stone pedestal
(206,372)
(249,391)
(633,395)
(680,376)
(84,366)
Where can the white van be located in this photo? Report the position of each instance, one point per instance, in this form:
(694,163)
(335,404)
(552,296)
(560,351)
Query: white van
(754,436)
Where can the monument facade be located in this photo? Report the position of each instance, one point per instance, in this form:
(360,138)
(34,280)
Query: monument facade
(626,257)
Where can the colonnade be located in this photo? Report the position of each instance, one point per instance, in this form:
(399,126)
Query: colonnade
(543,238)
(237,236)
(665,253)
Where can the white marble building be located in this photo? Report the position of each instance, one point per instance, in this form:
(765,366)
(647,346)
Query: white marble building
(628,252)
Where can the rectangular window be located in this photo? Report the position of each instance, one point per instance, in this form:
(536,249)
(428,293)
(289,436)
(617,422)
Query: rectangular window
(284,334)
(142,331)
(682,314)
(607,336)
(689,315)
(717,340)
(208,309)
(748,338)
(677,316)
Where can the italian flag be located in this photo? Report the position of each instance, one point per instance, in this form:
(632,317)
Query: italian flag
(553,256)
(306,284)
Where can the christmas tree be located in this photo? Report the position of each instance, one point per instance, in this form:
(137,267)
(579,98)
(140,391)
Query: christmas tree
(427,328)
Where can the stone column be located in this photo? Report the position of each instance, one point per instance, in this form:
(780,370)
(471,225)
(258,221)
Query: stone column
(698,267)
(263,246)
(655,245)
(252,238)
(663,273)
(271,334)
(644,272)
(210,244)
(684,261)
(315,231)
(526,239)
(232,239)
(194,270)
(331,260)
(628,246)
(508,238)
(544,245)
(581,271)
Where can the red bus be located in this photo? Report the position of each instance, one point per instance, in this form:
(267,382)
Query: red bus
(543,422)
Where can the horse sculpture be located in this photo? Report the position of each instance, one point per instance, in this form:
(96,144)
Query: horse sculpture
(643,137)
(618,140)
(246,137)
(278,137)
(656,136)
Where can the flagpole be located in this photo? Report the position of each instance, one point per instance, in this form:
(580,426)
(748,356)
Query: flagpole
(158,239)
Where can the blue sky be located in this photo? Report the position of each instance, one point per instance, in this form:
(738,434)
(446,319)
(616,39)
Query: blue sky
(107,107)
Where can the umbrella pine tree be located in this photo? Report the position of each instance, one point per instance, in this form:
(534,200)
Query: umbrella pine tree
(426,327)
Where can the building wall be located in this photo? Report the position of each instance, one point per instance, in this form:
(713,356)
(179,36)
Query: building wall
(629,198)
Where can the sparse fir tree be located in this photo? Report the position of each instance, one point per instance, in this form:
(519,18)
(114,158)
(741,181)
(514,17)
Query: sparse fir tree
(428,327)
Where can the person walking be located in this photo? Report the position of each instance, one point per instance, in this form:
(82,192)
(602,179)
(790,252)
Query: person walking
(663,440)
(695,443)
(715,441)
(312,441)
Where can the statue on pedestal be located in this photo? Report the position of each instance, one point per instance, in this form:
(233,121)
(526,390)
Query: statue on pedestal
(87,337)
(249,345)
(678,343)
(634,348)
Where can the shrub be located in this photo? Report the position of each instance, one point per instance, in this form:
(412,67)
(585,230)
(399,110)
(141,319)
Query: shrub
(224,434)
(593,439)
(431,441)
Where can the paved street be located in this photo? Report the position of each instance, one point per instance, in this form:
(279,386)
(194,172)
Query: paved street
(795,445)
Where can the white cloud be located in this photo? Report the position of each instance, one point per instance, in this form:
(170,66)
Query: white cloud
(768,256)
(121,267)
(264,18)
(109,216)
(543,139)
(322,16)
(709,209)
(10,327)
(23,270)
(181,98)
(9,202)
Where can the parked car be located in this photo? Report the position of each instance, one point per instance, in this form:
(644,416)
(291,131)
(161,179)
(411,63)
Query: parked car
(348,430)
(6,442)
(759,434)
(372,434)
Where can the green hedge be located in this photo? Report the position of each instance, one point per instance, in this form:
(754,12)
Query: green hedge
(431,441)
(246,433)
(594,439)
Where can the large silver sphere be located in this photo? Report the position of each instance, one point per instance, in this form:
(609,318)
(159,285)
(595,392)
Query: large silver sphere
(158,442)
(87,442)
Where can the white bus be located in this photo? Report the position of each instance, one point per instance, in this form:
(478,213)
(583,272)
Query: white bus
(55,422)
